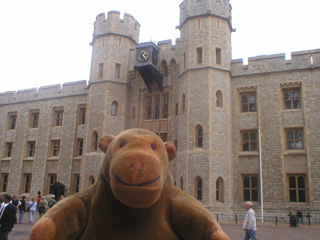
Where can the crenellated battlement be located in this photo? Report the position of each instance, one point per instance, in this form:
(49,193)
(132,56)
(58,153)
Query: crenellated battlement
(45,92)
(276,63)
(113,24)
(192,8)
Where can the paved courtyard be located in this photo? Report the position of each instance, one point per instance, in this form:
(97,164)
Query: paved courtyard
(266,231)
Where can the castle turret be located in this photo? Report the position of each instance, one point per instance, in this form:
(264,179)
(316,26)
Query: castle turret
(205,80)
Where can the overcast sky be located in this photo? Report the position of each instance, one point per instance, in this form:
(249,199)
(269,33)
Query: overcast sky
(46,42)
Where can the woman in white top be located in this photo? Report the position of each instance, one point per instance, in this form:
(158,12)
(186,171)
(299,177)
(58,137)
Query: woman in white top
(32,207)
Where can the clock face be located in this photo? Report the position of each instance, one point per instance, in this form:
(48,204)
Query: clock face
(143,55)
(154,58)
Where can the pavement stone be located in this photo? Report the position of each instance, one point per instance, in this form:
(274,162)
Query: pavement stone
(266,231)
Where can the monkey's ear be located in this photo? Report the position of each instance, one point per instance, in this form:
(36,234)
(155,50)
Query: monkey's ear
(104,142)
(171,150)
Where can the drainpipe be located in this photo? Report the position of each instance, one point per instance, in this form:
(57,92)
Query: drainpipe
(261,188)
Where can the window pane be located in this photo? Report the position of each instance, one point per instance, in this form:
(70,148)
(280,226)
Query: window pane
(290,135)
(252,107)
(246,182)
(244,99)
(287,95)
(292,182)
(301,183)
(199,183)
(252,99)
(254,182)
(293,196)
(245,137)
(298,144)
(295,95)
(296,104)
(290,145)
(253,146)
(254,195)
(253,136)
(302,195)
(298,134)
(245,146)
(246,195)
(288,105)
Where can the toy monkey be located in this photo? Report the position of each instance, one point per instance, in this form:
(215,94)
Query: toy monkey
(134,198)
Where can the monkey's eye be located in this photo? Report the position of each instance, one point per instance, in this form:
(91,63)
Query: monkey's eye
(122,144)
(153,147)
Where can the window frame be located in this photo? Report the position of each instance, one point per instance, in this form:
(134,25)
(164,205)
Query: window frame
(8,150)
(249,141)
(27,184)
(114,109)
(55,151)
(82,115)
(248,104)
(58,117)
(4,181)
(199,136)
(219,99)
(297,189)
(54,177)
(12,121)
(218,56)
(291,101)
(31,149)
(117,71)
(157,106)
(250,188)
(199,55)
(34,119)
(79,147)
(220,189)
(294,139)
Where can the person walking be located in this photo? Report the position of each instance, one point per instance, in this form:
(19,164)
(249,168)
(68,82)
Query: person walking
(32,208)
(22,208)
(249,224)
(7,214)
(42,209)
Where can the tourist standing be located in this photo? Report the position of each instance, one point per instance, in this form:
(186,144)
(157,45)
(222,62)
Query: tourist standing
(22,208)
(16,204)
(32,208)
(249,224)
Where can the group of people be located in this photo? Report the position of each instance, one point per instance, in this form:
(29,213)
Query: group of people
(10,205)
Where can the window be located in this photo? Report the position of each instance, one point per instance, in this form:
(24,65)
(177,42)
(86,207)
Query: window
(4,181)
(101,70)
(184,61)
(199,55)
(31,148)
(76,183)
(249,141)
(133,113)
(248,102)
(55,148)
(198,189)
(82,115)
(52,179)
(219,189)
(181,183)
(27,182)
(157,106)
(117,70)
(218,56)
(297,188)
(294,139)
(12,121)
(34,119)
(114,108)
(176,109)
(94,146)
(79,150)
(58,117)
(183,102)
(199,136)
(199,23)
(9,147)
(218,24)
(164,136)
(250,188)
(291,98)
(219,99)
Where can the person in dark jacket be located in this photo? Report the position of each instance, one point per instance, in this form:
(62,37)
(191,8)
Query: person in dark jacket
(7,218)
(22,208)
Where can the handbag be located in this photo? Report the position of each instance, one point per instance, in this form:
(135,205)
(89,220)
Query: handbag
(28,209)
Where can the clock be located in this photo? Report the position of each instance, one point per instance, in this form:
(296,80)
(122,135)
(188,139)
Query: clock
(154,58)
(143,55)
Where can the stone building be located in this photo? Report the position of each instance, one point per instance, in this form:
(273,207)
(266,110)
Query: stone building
(243,132)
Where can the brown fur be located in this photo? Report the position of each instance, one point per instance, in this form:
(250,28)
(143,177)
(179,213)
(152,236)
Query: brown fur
(134,198)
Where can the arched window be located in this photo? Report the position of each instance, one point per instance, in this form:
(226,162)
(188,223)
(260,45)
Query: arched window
(219,99)
(199,136)
(181,183)
(183,102)
(114,108)
(198,188)
(94,141)
(91,180)
(219,190)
